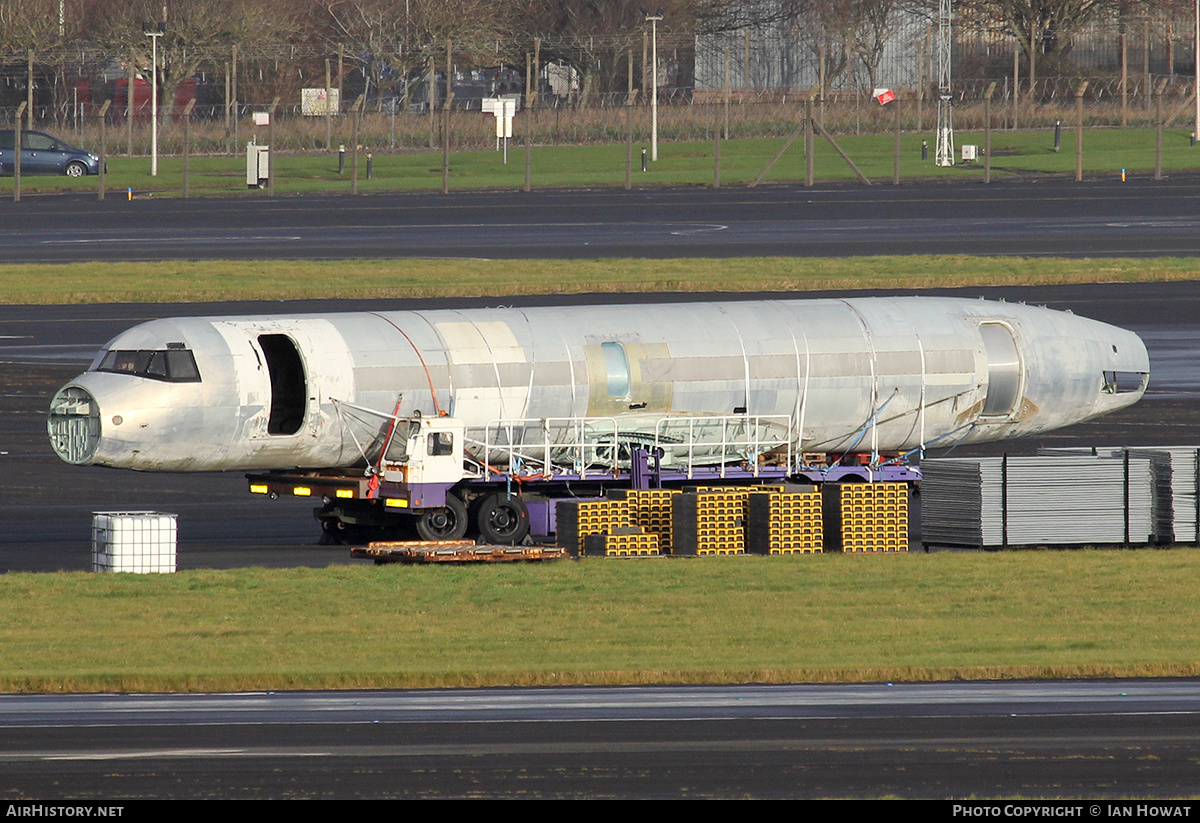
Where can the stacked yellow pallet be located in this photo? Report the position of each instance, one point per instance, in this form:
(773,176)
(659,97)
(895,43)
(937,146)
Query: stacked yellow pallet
(709,522)
(651,509)
(623,541)
(576,519)
(871,517)
(784,523)
(714,520)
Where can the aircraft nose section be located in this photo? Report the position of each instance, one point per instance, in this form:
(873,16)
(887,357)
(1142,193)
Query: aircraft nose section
(1126,371)
(74,424)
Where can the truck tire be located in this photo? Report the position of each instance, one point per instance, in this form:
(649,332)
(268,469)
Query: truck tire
(503,519)
(448,522)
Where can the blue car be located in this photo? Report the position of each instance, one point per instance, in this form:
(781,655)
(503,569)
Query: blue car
(43,154)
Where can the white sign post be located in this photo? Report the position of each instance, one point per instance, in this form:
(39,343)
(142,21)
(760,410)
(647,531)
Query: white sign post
(504,111)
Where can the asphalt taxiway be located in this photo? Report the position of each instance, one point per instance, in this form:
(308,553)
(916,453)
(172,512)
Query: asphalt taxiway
(1141,217)
(1096,739)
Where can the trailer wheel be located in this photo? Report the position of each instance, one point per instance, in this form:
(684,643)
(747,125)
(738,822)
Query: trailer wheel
(503,519)
(448,522)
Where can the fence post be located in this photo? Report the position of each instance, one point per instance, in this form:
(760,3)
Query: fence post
(716,154)
(1124,81)
(809,143)
(129,98)
(103,148)
(896,141)
(270,146)
(357,111)
(29,97)
(233,85)
(727,89)
(528,112)
(528,148)
(1016,89)
(1158,127)
(187,144)
(432,96)
(446,122)
(629,99)
(821,80)
(1079,131)
(987,132)
(17,154)
(328,107)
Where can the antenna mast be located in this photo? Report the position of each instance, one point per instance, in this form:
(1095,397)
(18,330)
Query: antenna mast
(944,152)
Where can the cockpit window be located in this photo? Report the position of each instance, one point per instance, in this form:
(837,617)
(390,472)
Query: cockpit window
(171,365)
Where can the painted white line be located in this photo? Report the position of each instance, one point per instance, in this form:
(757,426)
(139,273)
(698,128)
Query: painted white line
(152,240)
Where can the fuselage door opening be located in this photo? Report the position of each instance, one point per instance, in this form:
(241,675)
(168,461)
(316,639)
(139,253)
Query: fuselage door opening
(289,387)
(1003,369)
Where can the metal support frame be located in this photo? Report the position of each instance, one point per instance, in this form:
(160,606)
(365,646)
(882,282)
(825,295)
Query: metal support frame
(944,145)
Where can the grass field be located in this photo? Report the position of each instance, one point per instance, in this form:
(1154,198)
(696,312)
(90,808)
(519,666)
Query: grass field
(1106,152)
(174,281)
(810,618)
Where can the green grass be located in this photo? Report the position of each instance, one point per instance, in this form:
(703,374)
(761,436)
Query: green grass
(294,280)
(1028,614)
(1106,152)
(812,618)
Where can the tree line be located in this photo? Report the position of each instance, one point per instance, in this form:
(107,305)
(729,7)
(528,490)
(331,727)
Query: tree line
(398,41)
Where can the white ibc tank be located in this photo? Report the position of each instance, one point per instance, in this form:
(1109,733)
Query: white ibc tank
(139,542)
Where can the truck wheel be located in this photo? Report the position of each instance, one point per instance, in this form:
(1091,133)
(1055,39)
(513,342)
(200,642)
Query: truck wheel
(503,519)
(446,523)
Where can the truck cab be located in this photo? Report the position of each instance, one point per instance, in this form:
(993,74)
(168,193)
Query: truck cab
(425,450)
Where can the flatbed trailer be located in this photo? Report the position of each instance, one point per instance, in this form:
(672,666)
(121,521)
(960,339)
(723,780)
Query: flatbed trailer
(443,485)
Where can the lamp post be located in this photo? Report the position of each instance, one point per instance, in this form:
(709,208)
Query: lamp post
(1196,55)
(154,31)
(653,19)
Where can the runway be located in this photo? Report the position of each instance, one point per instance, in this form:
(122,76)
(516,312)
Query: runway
(1102,739)
(1101,218)
(1092,739)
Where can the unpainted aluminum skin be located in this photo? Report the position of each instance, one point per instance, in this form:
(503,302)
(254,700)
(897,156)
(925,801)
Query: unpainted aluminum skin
(858,374)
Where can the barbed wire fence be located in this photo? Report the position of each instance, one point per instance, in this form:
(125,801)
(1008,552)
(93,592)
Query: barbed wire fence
(576,90)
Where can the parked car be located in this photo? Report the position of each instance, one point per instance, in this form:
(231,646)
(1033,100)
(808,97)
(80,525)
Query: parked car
(45,154)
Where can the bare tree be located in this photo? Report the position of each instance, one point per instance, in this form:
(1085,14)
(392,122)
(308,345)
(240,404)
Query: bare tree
(1043,28)
(195,31)
(400,36)
(33,24)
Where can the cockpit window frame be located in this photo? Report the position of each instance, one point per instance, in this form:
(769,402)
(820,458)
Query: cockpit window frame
(169,365)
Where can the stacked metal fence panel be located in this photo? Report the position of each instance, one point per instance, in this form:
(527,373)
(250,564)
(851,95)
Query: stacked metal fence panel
(1183,507)
(1051,500)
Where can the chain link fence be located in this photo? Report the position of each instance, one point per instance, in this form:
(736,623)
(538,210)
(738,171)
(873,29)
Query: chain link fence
(749,84)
